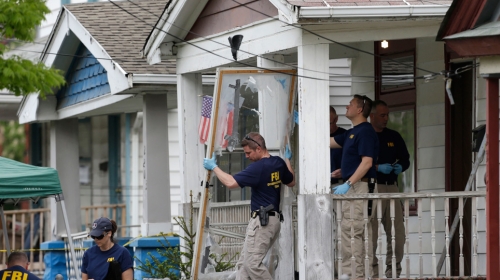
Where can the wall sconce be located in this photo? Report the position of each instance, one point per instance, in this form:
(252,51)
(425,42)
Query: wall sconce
(384,44)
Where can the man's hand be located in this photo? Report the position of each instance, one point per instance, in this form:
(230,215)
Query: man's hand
(337,174)
(397,169)
(385,168)
(288,152)
(341,189)
(210,163)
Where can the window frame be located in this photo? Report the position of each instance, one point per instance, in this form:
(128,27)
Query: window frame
(399,99)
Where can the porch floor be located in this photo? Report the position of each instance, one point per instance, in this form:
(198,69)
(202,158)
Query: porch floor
(437,278)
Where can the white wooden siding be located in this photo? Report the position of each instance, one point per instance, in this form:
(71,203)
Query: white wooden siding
(340,88)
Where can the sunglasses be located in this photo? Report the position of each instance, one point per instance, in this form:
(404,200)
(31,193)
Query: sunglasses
(248,138)
(364,102)
(97,237)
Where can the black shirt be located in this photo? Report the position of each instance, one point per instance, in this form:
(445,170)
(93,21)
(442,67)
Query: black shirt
(335,155)
(392,148)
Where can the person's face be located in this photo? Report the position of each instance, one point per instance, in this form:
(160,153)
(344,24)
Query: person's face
(380,118)
(103,239)
(252,155)
(353,109)
(333,121)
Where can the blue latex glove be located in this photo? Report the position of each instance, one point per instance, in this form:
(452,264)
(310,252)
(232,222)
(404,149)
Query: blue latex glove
(397,168)
(341,189)
(288,152)
(210,163)
(385,168)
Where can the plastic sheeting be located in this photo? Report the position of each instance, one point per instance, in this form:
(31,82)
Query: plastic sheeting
(19,181)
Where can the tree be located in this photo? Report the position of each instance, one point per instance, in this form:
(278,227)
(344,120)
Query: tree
(18,20)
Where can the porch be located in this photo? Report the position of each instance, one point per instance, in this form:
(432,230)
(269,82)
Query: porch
(428,221)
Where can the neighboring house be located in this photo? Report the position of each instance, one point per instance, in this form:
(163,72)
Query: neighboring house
(93,133)
(308,34)
(471,32)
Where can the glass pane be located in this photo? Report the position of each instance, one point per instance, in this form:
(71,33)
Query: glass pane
(404,123)
(240,91)
(239,96)
(397,72)
(232,163)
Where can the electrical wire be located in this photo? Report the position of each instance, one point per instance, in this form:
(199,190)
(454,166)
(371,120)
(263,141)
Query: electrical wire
(243,51)
(246,64)
(426,77)
(333,41)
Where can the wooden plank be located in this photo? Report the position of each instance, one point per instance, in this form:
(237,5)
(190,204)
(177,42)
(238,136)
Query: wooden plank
(316,224)
(202,214)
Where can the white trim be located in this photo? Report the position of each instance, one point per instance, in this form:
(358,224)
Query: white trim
(166,79)
(155,79)
(208,80)
(372,11)
(287,12)
(263,37)
(181,13)
(10,99)
(92,104)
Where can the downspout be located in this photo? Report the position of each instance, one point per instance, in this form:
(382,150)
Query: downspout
(127,172)
(134,207)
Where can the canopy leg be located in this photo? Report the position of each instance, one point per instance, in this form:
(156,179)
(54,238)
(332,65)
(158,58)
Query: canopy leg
(5,233)
(60,198)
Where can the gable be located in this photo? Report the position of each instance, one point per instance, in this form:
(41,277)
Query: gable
(461,16)
(86,79)
(222,15)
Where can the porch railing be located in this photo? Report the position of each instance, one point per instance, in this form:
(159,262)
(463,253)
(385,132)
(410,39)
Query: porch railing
(436,207)
(25,230)
(427,231)
(116,212)
(229,221)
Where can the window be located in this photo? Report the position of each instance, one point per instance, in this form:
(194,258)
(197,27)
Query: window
(245,97)
(395,84)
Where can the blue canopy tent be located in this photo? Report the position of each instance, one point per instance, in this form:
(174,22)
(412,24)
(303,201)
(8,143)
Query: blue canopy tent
(19,181)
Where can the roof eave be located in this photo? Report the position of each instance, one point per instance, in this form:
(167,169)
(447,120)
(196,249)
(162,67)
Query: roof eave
(179,13)
(372,11)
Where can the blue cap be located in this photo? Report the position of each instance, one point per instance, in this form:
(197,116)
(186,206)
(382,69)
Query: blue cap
(100,226)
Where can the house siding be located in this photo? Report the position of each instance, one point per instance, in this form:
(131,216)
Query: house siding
(340,88)
(480,119)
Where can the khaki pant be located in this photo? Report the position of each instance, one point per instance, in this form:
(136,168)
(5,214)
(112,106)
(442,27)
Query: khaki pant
(387,224)
(357,227)
(258,241)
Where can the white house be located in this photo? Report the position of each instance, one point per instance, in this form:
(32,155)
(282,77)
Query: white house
(306,35)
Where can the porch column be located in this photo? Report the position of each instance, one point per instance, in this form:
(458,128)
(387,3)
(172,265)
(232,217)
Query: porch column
(492,193)
(285,269)
(64,158)
(189,92)
(314,205)
(156,200)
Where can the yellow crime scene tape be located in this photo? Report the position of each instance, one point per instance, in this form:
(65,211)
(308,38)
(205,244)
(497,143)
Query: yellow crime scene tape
(170,234)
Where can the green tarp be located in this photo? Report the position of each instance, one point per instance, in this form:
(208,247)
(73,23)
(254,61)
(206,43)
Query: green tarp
(19,181)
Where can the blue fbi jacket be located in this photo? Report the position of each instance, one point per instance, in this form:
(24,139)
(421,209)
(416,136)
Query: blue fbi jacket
(265,177)
(356,142)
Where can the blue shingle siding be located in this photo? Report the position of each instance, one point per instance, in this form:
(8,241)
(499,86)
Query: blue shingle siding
(86,79)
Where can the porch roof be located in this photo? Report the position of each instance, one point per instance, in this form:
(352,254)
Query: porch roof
(333,3)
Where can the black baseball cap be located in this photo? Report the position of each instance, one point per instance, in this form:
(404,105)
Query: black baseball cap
(100,226)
